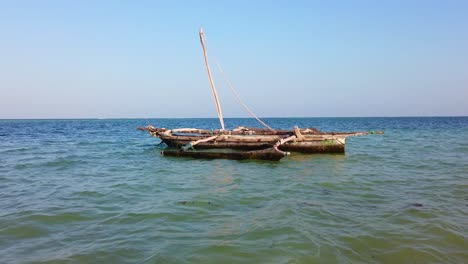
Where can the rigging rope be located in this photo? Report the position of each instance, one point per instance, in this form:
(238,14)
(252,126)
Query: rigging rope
(235,92)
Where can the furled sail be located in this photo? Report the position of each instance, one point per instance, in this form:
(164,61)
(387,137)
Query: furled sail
(213,87)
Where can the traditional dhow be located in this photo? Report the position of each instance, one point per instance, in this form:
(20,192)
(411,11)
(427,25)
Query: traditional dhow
(309,140)
(254,143)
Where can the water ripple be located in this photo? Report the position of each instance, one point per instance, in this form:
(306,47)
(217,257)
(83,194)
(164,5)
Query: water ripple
(97,191)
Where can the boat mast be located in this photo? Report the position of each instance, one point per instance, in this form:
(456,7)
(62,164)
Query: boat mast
(213,87)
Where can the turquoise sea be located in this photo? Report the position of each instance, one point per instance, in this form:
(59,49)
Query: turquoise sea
(98,191)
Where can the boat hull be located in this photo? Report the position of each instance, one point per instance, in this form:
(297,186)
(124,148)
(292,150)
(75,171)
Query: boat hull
(314,147)
(265,154)
(321,144)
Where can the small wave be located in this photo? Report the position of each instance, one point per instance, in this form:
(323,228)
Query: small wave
(89,194)
(58,218)
(16,150)
(131,218)
(63,162)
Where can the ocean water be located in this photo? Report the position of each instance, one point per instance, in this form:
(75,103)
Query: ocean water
(98,191)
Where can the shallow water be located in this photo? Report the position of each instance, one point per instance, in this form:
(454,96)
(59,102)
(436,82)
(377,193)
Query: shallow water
(98,191)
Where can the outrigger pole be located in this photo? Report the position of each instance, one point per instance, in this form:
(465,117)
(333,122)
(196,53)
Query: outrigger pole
(213,87)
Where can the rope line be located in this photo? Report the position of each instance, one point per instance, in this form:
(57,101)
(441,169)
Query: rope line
(235,92)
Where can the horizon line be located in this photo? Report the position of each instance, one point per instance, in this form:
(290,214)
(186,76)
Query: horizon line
(137,118)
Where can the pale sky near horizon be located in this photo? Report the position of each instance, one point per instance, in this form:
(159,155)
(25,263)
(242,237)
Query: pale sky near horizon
(130,59)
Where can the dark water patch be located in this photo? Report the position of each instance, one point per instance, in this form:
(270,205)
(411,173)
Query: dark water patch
(414,205)
(22,232)
(329,187)
(197,203)
(309,204)
(121,186)
(89,194)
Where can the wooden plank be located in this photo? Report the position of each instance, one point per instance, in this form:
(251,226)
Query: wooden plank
(268,154)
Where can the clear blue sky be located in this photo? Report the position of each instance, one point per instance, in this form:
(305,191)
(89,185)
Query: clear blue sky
(85,59)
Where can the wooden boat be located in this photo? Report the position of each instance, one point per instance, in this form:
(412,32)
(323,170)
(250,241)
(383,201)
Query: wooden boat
(307,140)
(266,144)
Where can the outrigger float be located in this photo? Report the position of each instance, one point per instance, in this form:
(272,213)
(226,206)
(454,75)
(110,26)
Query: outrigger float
(243,142)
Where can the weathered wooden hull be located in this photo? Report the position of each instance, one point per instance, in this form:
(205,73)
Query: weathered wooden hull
(316,144)
(314,147)
(266,154)
(309,140)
